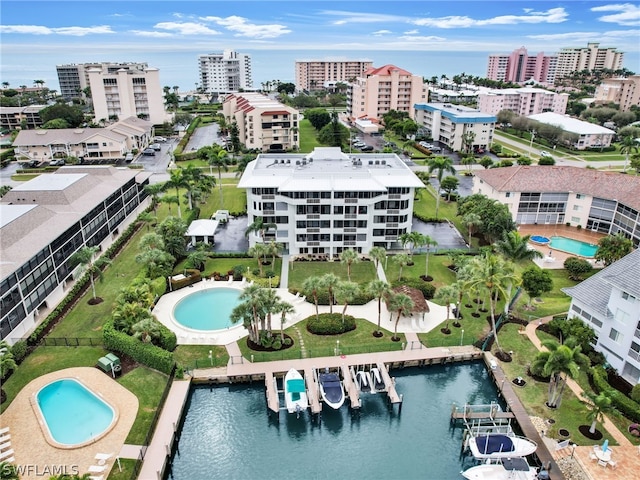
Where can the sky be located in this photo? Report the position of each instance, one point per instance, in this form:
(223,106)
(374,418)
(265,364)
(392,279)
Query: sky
(425,37)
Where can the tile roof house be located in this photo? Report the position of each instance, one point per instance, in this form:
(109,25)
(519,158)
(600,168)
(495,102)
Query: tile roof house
(609,302)
(606,202)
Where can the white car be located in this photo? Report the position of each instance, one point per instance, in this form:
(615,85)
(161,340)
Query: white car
(544,154)
(155,146)
(159,139)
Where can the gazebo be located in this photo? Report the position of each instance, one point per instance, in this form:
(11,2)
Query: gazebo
(202,230)
(420,305)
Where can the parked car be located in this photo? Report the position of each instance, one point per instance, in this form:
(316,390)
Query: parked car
(57,162)
(359,144)
(156,147)
(544,154)
(159,139)
(128,157)
(148,152)
(367,148)
(30,164)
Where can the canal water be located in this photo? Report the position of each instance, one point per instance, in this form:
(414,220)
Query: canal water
(227,433)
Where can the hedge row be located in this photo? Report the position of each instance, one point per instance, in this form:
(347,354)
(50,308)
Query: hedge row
(330,324)
(621,402)
(145,353)
(177,153)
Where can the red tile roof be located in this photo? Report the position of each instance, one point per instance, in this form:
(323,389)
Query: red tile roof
(386,70)
(587,181)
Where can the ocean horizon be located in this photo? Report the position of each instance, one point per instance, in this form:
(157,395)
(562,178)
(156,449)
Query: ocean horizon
(181,68)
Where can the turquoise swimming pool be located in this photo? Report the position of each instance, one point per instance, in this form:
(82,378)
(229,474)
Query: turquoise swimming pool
(208,309)
(72,413)
(575,247)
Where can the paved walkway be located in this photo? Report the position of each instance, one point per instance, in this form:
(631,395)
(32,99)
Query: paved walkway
(625,454)
(284,271)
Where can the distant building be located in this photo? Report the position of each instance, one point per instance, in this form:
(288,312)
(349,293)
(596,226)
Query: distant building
(225,72)
(622,91)
(380,90)
(519,67)
(606,202)
(589,134)
(44,221)
(591,57)
(25,118)
(314,74)
(522,101)
(74,78)
(111,143)
(327,201)
(609,302)
(263,123)
(127,93)
(450,124)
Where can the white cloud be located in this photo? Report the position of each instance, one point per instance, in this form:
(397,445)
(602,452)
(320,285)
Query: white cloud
(411,32)
(629,14)
(41,30)
(379,33)
(246,29)
(359,17)
(587,36)
(422,39)
(553,15)
(151,34)
(186,28)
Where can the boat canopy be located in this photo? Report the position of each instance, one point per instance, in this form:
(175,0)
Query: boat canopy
(494,443)
(296,385)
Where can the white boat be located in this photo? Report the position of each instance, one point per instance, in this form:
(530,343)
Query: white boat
(499,445)
(377,384)
(295,392)
(363,380)
(508,469)
(331,389)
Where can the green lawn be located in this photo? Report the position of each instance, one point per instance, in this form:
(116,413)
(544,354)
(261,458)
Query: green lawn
(362,272)
(308,137)
(425,206)
(234,199)
(197,356)
(437,269)
(360,340)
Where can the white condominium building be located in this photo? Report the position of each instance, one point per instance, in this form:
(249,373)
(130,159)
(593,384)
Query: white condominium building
(452,124)
(225,72)
(326,201)
(522,101)
(591,57)
(74,78)
(263,123)
(313,74)
(127,93)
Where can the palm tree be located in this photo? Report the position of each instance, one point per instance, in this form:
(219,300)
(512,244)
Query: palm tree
(258,251)
(242,164)
(284,309)
(146,330)
(128,314)
(472,221)
(556,361)
(177,180)
(220,160)
(378,254)
(330,281)
(379,289)
(494,275)
(259,226)
(169,200)
(428,242)
(248,309)
(628,145)
(349,256)
(402,305)
(273,249)
(613,247)
(346,292)
(446,295)
(600,405)
(515,247)
(402,259)
(85,259)
(146,218)
(311,286)
(441,165)
(151,241)
(197,258)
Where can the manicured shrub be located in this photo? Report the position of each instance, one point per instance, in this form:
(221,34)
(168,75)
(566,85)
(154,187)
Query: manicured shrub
(19,351)
(635,391)
(330,324)
(577,268)
(159,286)
(167,338)
(427,289)
(628,407)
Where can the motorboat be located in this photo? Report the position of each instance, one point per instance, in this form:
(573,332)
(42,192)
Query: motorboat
(500,445)
(363,380)
(295,392)
(507,469)
(331,389)
(377,384)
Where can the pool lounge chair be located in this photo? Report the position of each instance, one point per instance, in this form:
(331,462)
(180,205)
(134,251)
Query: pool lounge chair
(96,477)
(103,457)
(96,469)
(4,430)
(5,438)
(5,454)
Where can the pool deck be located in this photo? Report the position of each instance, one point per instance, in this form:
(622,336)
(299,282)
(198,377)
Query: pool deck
(36,456)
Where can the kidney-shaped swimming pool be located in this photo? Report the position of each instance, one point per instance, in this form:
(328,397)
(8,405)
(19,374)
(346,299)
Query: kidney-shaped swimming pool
(208,309)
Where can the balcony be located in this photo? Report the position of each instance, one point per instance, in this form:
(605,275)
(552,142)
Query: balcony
(350,215)
(350,200)
(313,200)
(268,197)
(392,225)
(313,216)
(391,238)
(350,230)
(633,354)
(394,196)
(313,244)
(313,230)
(268,212)
(393,212)
(350,244)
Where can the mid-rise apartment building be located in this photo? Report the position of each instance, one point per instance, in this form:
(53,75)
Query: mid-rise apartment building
(74,78)
(326,201)
(609,302)
(14,118)
(44,221)
(522,101)
(225,72)
(382,89)
(314,74)
(452,124)
(606,202)
(263,123)
(591,57)
(622,91)
(588,135)
(127,93)
(520,67)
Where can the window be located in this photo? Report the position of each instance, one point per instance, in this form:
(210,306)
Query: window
(575,219)
(577,208)
(621,316)
(508,194)
(628,297)
(615,335)
(578,196)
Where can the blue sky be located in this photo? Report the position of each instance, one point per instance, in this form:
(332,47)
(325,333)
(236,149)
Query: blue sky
(35,36)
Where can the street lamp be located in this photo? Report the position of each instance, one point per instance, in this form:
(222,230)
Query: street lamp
(211,357)
(337,347)
(461,336)
(533,135)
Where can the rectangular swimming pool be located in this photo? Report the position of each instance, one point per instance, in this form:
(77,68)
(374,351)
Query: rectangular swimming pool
(575,247)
